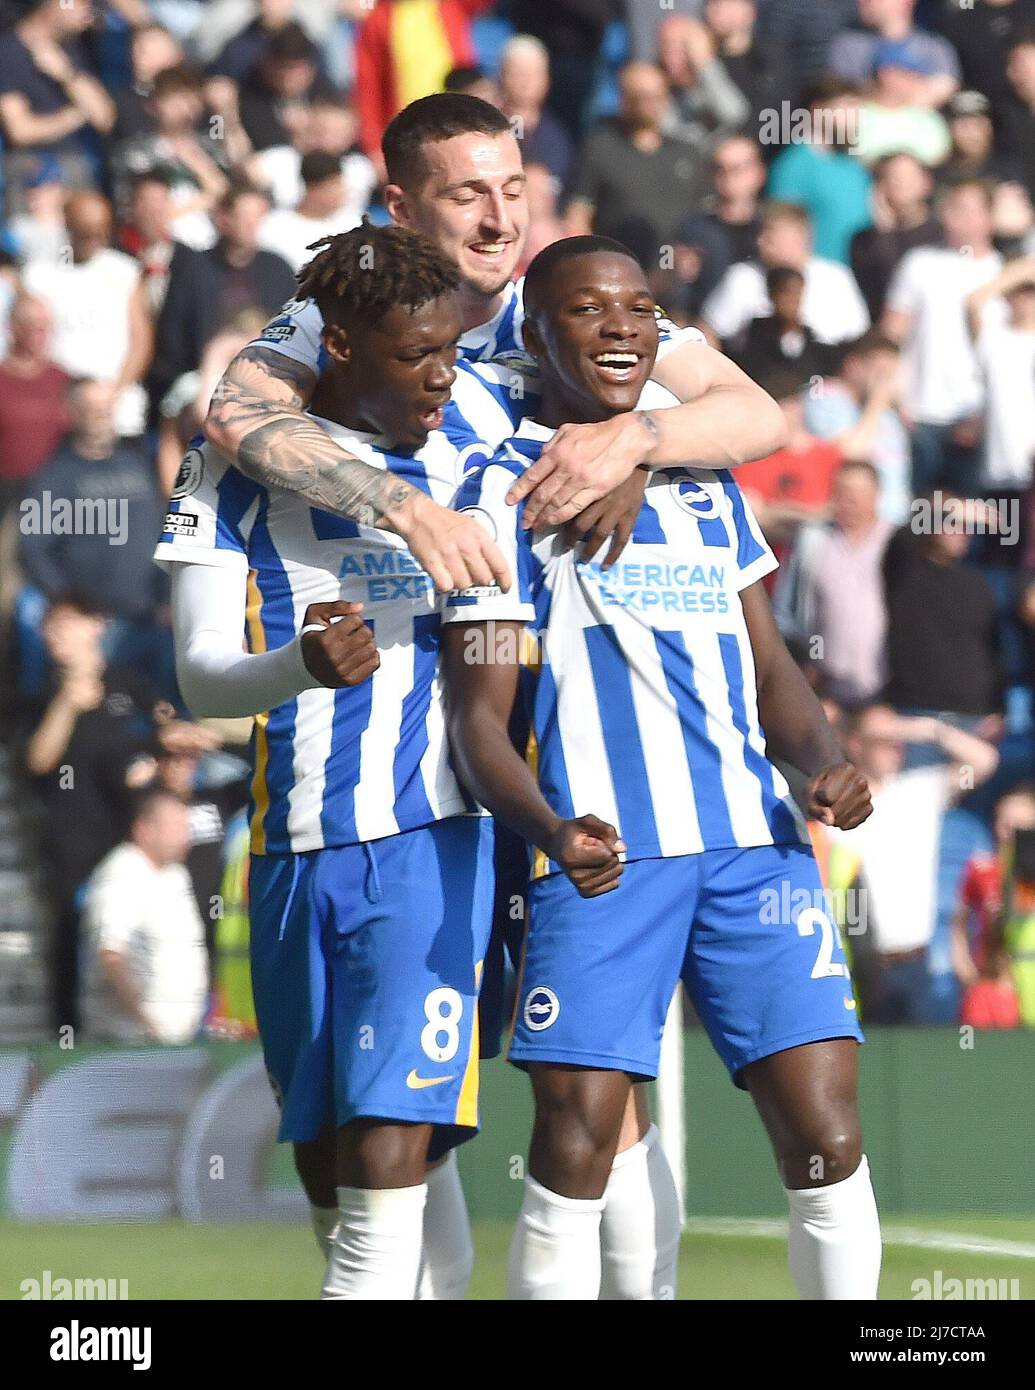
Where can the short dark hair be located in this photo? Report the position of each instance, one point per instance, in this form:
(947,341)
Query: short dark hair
(318,166)
(364,273)
(77,599)
(240,188)
(290,45)
(440,116)
(179,78)
(462,78)
(540,272)
(779,277)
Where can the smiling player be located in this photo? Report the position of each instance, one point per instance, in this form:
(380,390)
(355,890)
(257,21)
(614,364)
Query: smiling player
(661,823)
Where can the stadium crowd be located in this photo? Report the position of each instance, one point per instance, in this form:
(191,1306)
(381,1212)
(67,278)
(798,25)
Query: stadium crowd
(841,197)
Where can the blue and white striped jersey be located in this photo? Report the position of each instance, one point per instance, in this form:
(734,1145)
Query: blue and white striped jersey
(642,697)
(295,331)
(331,767)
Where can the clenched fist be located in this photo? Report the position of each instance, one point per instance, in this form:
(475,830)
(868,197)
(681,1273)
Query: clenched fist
(340,650)
(839,796)
(587,849)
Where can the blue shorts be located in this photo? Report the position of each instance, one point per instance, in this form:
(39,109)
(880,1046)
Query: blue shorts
(746,931)
(366,961)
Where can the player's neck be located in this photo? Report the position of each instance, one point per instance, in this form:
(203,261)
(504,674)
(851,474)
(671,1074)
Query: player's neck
(476,308)
(334,400)
(557,409)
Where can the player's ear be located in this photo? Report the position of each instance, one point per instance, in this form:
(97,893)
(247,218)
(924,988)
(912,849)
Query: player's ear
(336,342)
(397,205)
(532,339)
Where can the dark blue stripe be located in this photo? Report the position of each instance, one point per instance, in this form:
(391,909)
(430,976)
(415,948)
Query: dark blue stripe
(748,548)
(351,716)
(553,773)
(703,759)
(327,527)
(236,494)
(621,729)
(778,817)
(412,806)
(647,530)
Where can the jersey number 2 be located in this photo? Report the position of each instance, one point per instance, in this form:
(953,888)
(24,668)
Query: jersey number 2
(825,965)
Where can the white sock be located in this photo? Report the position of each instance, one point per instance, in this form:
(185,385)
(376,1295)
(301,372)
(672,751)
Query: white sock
(325,1223)
(376,1252)
(448,1257)
(640,1227)
(834,1247)
(555,1252)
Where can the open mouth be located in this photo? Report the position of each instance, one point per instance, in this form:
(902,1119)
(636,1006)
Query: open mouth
(490,251)
(617,367)
(432,419)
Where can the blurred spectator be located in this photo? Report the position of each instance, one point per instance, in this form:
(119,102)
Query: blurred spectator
(858,410)
(275,95)
(47,95)
(983,910)
(924,312)
(943,653)
(832,305)
(322,212)
(404,50)
(981,32)
(853,53)
(726,230)
(472,81)
(147,978)
(832,589)
(1017,114)
(328,126)
(146,235)
(705,102)
(189,163)
(544,225)
(211,806)
(631,180)
(152,50)
(245,50)
(102,326)
(794,485)
(901,220)
(573,33)
(524,84)
(973,154)
(760,71)
(84,735)
(645,21)
(893,856)
(1005,351)
(782,339)
(804,33)
(33,398)
(896,115)
(39,233)
(821,177)
(110,486)
(184,406)
(206,288)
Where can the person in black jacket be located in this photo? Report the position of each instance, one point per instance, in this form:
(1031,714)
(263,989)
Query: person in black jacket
(207,288)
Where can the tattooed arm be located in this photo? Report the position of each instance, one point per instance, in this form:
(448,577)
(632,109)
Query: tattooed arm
(257,418)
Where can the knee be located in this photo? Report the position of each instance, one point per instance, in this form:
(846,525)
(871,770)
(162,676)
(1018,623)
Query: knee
(826,1153)
(573,1149)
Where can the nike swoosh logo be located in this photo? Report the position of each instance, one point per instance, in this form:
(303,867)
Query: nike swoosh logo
(418,1083)
(849,1003)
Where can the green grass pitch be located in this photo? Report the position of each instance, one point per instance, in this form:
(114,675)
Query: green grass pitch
(174,1260)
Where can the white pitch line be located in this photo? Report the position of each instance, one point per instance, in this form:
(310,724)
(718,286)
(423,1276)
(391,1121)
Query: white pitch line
(954,1241)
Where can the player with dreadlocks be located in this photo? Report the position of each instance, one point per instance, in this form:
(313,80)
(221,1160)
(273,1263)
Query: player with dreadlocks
(371,876)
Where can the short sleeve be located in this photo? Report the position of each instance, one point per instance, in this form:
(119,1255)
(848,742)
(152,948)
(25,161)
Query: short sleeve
(670,337)
(210,513)
(112,909)
(904,291)
(295,333)
(483,495)
(754,558)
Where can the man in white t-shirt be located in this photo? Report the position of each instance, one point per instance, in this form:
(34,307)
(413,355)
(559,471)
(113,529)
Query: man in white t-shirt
(322,211)
(894,854)
(925,312)
(832,304)
(148,976)
(1005,351)
(102,325)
